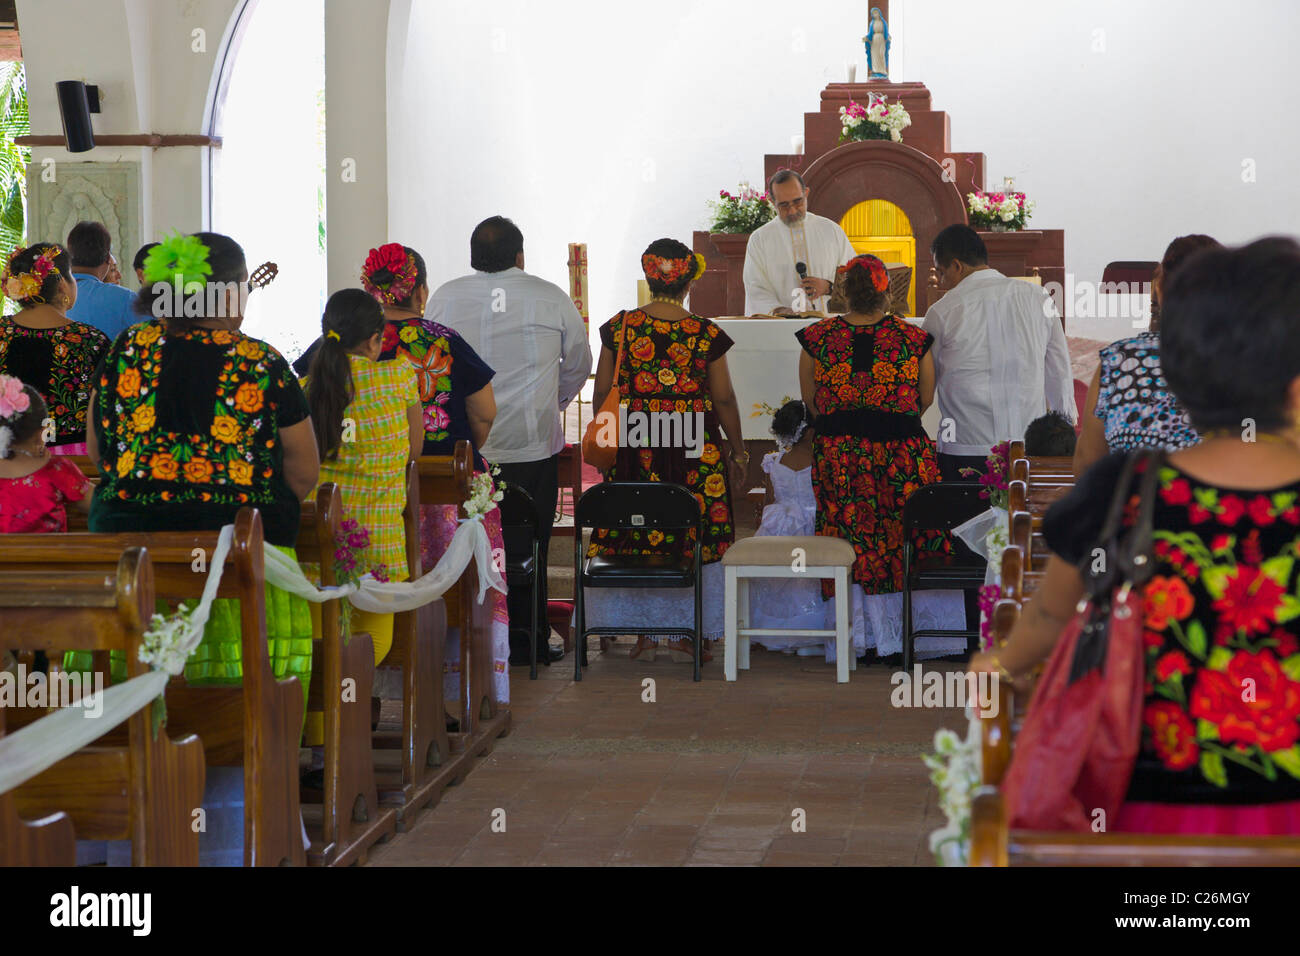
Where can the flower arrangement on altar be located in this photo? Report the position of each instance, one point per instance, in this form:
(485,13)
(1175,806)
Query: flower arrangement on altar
(955,769)
(741,213)
(876,120)
(999,212)
(483,493)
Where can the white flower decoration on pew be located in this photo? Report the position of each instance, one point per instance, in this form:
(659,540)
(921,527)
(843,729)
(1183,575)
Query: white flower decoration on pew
(955,769)
(483,493)
(164,647)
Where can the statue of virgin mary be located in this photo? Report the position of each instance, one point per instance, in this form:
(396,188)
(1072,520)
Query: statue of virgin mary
(877,43)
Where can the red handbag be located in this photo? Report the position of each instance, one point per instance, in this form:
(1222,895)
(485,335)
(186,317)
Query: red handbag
(1075,752)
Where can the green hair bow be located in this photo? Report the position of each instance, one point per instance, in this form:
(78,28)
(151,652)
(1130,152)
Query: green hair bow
(179,259)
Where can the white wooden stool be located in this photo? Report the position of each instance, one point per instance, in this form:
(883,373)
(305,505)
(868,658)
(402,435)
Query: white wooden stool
(776,556)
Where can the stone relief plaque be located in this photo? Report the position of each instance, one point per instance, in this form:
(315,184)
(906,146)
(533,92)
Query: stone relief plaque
(105,192)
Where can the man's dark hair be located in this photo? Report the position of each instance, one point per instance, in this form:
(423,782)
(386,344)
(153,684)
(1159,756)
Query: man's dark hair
(89,244)
(959,242)
(1050,435)
(1228,345)
(140,254)
(495,245)
(783,176)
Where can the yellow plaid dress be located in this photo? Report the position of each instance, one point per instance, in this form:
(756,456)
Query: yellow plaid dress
(371,467)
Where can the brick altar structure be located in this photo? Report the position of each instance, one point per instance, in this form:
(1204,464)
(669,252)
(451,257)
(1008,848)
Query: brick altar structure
(923,176)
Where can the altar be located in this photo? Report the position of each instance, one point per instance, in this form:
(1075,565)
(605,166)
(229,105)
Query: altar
(764,367)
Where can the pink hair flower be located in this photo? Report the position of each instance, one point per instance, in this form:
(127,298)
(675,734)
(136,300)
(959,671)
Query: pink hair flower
(13,399)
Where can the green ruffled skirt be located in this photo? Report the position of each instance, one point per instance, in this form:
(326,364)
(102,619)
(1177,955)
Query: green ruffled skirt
(218,660)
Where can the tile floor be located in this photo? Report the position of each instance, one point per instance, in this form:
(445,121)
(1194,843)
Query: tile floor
(705,774)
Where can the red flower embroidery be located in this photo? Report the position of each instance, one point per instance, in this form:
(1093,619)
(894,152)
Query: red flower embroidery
(1199,514)
(1175,662)
(1231,509)
(1286,642)
(1172,734)
(1166,598)
(1177,492)
(1260,510)
(1250,600)
(1262,712)
(1153,639)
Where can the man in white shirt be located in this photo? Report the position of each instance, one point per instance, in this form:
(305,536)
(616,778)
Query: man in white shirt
(529,331)
(773,285)
(1000,358)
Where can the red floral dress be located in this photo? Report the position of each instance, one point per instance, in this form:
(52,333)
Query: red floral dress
(36,504)
(860,482)
(1221,723)
(665,369)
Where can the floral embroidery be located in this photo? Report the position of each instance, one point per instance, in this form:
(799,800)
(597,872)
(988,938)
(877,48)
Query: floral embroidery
(66,381)
(665,370)
(425,346)
(861,484)
(1226,704)
(230,464)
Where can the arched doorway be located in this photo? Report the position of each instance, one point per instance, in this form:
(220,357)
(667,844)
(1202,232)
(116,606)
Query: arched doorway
(881,228)
(267,179)
(894,172)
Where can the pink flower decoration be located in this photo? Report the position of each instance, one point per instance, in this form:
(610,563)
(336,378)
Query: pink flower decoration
(13,400)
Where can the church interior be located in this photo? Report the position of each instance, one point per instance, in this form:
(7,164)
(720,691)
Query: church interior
(860,434)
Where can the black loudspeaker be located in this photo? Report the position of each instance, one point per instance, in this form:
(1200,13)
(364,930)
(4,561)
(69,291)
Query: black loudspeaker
(76,102)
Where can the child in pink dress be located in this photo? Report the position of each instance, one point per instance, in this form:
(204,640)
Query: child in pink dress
(35,486)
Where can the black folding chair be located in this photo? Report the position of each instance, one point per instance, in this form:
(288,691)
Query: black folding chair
(640,505)
(519,513)
(940,507)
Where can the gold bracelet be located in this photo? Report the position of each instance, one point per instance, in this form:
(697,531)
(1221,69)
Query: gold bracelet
(1003,673)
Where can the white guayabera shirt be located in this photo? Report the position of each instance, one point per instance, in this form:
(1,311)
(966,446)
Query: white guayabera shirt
(774,248)
(529,332)
(1000,360)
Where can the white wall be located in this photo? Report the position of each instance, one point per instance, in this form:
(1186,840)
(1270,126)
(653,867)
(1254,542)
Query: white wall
(141,53)
(614,123)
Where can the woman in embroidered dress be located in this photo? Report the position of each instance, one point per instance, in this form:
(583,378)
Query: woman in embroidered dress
(35,488)
(190,421)
(1220,747)
(673,361)
(43,347)
(869,377)
(455,388)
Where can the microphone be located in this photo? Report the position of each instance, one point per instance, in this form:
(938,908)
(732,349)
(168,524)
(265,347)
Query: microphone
(802,269)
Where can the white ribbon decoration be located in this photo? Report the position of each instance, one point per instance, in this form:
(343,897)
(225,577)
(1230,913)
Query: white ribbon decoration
(61,733)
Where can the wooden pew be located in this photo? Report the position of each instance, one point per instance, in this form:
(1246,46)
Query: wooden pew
(348,820)
(144,790)
(992,844)
(257,725)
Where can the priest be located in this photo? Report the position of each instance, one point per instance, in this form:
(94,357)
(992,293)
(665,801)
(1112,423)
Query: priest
(773,282)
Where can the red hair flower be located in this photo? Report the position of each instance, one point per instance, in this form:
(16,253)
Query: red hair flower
(392,258)
(873,267)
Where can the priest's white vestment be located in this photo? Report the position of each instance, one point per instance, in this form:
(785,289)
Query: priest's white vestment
(774,248)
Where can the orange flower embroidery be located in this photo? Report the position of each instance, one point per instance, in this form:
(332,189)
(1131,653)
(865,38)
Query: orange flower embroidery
(241,472)
(250,349)
(715,486)
(163,467)
(1166,598)
(710,454)
(198,470)
(125,464)
(128,384)
(142,419)
(148,334)
(643,349)
(667,377)
(225,429)
(248,398)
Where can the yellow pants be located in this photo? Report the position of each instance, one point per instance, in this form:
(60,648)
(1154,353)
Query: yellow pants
(380,629)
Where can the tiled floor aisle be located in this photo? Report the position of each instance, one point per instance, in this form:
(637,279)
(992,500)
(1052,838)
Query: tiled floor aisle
(709,773)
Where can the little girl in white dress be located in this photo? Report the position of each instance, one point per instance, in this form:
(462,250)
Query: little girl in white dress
(785,602)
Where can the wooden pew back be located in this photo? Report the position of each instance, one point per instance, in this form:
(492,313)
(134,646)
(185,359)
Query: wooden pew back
(145,790)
